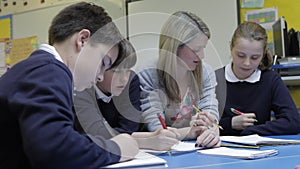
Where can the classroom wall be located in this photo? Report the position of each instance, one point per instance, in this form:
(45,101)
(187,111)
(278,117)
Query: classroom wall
(34,21)
(146,18)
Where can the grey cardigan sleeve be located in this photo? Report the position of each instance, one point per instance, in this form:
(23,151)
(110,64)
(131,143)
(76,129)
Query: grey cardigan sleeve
(89,116)
(208,101)
(152,99)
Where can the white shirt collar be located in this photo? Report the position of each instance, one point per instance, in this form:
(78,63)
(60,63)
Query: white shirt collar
(52,50)
(230,76)
(102,96)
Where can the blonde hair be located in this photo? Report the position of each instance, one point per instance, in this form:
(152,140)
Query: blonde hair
(180,28)
(253,31)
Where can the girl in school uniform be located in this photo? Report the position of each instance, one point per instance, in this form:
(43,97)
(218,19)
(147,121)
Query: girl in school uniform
(253,90)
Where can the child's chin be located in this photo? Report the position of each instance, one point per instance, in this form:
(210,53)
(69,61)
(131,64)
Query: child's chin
(116,93)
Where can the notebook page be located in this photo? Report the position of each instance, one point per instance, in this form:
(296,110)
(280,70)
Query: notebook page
(239,153)
(257,140)
(142,159)
(179,148)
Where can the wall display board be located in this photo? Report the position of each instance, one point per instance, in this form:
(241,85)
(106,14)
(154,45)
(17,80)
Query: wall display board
(289,9)
(17,50)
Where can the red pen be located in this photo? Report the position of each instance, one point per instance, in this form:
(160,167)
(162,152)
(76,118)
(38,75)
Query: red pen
(162,121)
(236,111)
(239,112)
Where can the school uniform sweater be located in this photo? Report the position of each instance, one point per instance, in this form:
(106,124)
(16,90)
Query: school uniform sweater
(36,120)
(119,115)
(262,97)
(123,111)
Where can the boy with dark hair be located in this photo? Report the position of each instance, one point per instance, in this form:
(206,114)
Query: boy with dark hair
(36,96)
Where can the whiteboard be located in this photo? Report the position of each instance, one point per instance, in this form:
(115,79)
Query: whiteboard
(146,17)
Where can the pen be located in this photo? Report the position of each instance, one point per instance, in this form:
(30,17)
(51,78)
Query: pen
(238,146)
(199,111)
(236,111)
(162,121)
(239,112)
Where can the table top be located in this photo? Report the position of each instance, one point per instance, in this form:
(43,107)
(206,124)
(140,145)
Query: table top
(288,157)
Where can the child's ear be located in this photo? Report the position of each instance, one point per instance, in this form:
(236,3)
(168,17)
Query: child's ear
(82,38)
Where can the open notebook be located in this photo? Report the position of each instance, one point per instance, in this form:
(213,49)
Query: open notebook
(257,140)
(179,148)
(142,159)
(239,153)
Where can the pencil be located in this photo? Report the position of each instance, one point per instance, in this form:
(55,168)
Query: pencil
(199,111)
(233,110)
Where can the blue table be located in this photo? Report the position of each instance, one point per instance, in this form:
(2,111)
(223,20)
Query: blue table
(286,66)
(287,158)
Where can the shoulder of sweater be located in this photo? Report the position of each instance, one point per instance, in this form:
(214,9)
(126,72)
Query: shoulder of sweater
(133,76)
(270,75)
(206,65)
(41,58)
(88,92)
(207,68)
(148,75)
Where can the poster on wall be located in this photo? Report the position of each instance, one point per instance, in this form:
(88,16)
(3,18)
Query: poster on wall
(252,3)
(17,50)
(265,17)
(5,28)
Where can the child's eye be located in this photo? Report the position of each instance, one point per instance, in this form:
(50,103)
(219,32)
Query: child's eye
(241,55)
(106,62)
(255,57)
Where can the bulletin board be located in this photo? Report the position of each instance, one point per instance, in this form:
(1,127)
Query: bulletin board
(17,50)
(285,8)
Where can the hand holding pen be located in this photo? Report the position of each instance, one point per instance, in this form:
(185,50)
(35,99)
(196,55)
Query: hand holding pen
(211,119)
(242,120)
(162,121)
(239,113)
(210,137)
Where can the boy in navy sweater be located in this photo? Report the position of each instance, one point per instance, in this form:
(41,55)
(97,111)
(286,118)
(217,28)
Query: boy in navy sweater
(36,96)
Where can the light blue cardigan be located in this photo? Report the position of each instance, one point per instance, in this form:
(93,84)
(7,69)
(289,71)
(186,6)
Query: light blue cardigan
(153,99)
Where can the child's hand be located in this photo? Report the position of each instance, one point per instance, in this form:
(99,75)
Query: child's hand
(163,139)
(209,138)
(243,121)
